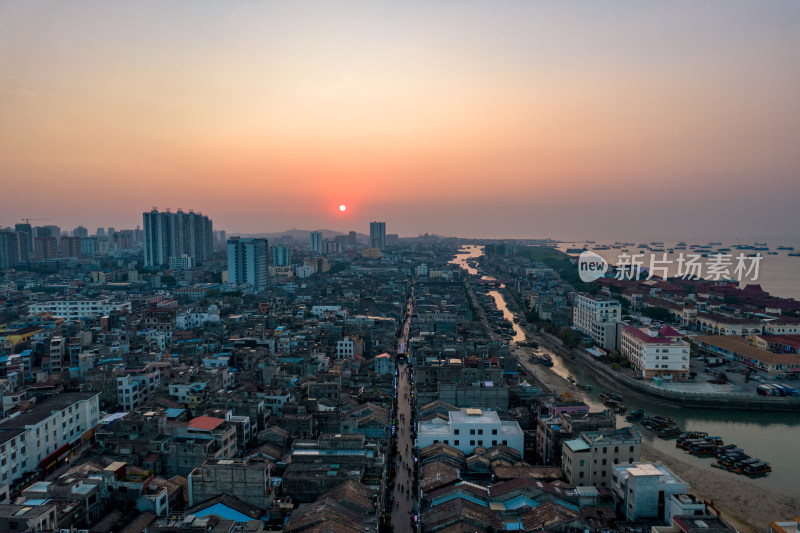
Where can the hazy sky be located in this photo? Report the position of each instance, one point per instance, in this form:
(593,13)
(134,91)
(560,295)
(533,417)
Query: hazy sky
(581,119)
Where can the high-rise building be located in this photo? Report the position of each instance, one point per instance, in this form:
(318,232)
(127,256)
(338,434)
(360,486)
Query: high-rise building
(316,242)
(101,232)
(45,248)
(25,241)
(71,247)
(174,234)
(352,238)
(81,232)
(248,262)
(377,235)
(9,248)
(281,256)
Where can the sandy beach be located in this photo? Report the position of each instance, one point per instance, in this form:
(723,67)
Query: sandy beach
(745,506)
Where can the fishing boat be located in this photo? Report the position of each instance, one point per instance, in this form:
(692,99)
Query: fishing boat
(756,469)
(635,415)
(571,380)
(584,387)
(669,433)
(545,360)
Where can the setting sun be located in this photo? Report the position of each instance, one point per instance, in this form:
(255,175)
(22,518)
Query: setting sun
(342,208)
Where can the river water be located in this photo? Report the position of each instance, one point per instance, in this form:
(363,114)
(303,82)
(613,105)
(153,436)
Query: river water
(772,437)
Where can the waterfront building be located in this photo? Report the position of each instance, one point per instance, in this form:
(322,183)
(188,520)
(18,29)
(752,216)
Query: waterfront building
(597,317)
(587,460)
(742,351)
(652,352)
(642,489)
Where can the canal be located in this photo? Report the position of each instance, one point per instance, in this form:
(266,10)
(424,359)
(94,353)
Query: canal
(772,437)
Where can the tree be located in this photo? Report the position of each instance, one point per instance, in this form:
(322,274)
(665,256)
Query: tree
(657,313)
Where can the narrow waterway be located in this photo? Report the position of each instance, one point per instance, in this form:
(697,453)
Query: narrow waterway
(772,437)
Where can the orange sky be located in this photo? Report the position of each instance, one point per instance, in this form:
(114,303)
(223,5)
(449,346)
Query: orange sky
(459,117)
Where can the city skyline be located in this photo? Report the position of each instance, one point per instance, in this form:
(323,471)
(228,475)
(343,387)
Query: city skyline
(627,121)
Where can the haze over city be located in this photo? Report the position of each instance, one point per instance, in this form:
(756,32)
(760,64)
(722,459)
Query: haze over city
(593,120)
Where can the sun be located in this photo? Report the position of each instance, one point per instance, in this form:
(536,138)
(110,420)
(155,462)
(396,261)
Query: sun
(342,208)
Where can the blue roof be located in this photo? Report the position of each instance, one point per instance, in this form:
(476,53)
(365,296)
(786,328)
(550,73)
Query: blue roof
(173,412)
(223,511)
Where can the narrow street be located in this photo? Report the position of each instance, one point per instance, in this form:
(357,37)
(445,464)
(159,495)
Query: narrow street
(403,510)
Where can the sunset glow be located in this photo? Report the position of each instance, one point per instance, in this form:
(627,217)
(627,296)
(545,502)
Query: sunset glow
(456,119)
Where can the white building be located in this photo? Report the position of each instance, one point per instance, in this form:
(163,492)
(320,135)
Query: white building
(304,271)
(653,353)
(467,429)
(597,317)
(642,489)
(58,424)
(181,262)
(421,270)
(135,387)
(349,347)
(75,309)
(195,318)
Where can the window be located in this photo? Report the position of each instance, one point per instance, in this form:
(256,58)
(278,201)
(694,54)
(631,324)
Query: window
(436,441)
(616,449)
(605,450)
(631,448)
(494,432)
(457,431)
(580,475)
(604,474)
(455,443)
(494,443)
(447,441)
(472,443)
(582,461)
(471,431)
(630,460)
(604,461)
(505,443)
(480,443)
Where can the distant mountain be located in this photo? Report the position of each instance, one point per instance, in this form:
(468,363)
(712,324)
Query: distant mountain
(297,234)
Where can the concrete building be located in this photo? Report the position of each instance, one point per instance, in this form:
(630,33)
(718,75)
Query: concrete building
(181,262)
(10,247)
(652,353)
(597,317)
(281,256)
(247,479)
(46,435)
(248,262)
(642,489)
(45,248)
(377,235)
(467,429)
(169,234)
(587,461)
(316,242)
(71,247)
(75,309)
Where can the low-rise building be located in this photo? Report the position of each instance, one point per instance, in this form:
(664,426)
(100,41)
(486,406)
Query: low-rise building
(587,461)
(467,429)
(652,353)
(642,489)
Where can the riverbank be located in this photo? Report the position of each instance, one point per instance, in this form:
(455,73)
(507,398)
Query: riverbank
(748,508)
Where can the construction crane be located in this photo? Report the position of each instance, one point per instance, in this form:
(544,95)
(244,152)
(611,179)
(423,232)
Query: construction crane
(28,220)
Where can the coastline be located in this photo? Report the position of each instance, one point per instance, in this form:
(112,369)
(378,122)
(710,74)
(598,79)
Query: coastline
(747,507)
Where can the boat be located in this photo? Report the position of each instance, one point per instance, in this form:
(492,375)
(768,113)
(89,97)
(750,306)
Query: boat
(785,247)
(756,469)
(794,254)
(669,432)
(605,395)
(571,380)
(635,415)
(772,253)
(583,387)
